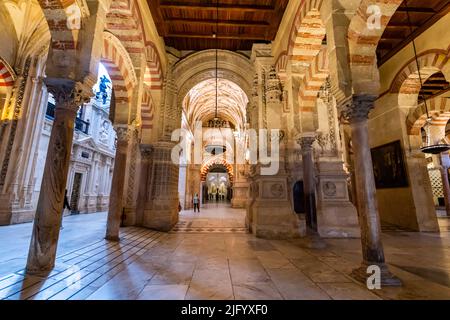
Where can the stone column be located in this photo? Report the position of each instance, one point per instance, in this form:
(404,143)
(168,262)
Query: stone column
(306,143)
(144,182)
(444,161)
(162,212)
(356,112)
(69,95)
(118,182)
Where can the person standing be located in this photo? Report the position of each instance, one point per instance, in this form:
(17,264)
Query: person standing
(196,202)
(66,206)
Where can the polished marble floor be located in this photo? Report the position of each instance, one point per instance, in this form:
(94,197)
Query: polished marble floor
(215,265)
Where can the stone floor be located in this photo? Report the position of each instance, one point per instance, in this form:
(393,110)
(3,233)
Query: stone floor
(204,264)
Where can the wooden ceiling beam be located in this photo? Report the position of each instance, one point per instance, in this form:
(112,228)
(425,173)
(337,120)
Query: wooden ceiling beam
(213,7)
(280,7)
(432,16)
(156,14)
(423,10)
(233,23)
(402,26)
(237,36)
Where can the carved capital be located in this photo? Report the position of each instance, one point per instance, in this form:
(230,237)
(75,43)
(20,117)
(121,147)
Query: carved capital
(146,151)
(357,108)
(123,133)
(69,94)
(306,142)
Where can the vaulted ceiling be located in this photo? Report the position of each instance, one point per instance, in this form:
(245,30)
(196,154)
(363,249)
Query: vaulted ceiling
(200,102)
(237,24)
(423,14)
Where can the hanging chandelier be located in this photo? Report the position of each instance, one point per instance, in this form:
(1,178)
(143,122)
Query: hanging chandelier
(216,36)
(429,148)
(215,148)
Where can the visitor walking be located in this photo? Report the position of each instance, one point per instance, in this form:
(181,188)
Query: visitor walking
(196,202)
(66,206)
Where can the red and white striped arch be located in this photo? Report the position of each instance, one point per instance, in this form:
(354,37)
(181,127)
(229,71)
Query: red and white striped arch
(363,41)
(153,73)
(438,108)
(407,85)
(307,34)
(313,80)
(307,54)
(6,75)
(124,22)
(120,69)
(60,14)
(147,110)
(214,161)
(407,79)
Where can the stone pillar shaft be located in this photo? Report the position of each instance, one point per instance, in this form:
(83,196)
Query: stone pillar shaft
(365,188)
(445,185)
(357,113)
(309,181)
(144,185)
(47,223)
(117,185)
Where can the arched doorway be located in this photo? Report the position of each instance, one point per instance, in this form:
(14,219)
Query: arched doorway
(217,182)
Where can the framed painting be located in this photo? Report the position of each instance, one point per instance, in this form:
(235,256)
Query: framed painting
(389,166)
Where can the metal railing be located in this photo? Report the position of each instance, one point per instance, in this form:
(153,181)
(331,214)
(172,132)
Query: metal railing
(80,124)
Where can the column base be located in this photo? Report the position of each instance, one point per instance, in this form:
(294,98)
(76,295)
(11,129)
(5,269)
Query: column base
(112,238)
(39,272)
(387,278)
(276,221)
(163,216)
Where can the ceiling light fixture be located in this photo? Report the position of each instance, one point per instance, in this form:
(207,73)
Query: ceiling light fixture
(216,116)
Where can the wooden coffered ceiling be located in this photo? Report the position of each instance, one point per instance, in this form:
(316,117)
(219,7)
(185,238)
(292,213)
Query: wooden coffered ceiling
(423,14)
(191,24)
(435,85)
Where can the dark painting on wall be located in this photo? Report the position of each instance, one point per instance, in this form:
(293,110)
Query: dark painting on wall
(389,166)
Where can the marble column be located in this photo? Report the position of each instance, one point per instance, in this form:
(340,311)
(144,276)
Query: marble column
(356,112)
(444,161)
(68,95)
(306,143)
(116,198)
(144,182)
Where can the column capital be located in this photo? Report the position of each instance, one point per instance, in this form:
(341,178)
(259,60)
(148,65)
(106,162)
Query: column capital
(306,141)
(69,94)
(123,133)
(357,107)
(146,151)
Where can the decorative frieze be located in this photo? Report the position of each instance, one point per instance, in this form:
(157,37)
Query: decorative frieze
(273,87)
